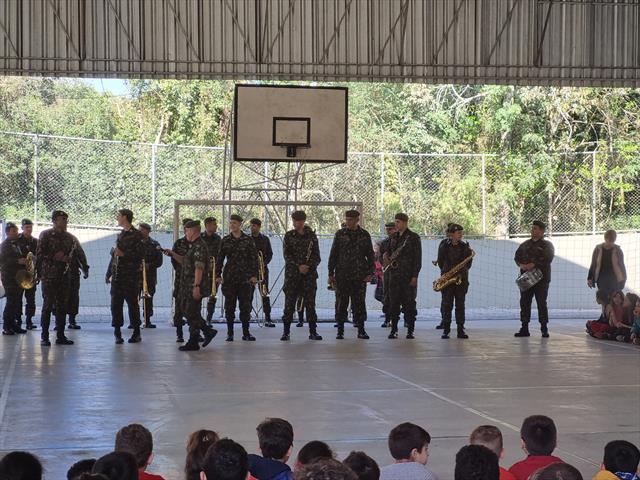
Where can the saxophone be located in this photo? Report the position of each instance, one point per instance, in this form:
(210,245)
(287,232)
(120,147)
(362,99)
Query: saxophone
(451,277)
(391,261)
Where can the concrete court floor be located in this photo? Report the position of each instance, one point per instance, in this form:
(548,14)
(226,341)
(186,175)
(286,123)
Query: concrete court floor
(66,403)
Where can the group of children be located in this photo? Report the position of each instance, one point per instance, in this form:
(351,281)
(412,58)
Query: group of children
(211,458)
(620,317)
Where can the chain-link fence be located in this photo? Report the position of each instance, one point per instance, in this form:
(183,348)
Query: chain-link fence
(488,194)
(494,197)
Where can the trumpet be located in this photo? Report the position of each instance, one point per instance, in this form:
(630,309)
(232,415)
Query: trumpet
(300,299)
(262,270)
(451,277)
(27,278)
(214,287)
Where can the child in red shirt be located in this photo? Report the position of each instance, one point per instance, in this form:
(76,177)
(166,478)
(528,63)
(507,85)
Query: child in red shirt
(539,438)
(491,437)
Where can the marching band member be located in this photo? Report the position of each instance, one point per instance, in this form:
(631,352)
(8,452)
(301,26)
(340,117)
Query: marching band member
(152,262)
(27,244)
(237,272)
(123,273)
(302,257)
(351,268)
(54,259)
(263,244)
(403,261)
(535,253)
(454,252)
(213,240)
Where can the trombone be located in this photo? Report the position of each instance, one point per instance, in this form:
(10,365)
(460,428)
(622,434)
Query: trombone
(262,276)
(214,285)
(144,295)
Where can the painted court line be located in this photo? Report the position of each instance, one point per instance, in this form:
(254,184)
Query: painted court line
(468,409)
(4,394)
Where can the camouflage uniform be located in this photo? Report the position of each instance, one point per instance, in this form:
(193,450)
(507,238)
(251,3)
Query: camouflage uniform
(153,261)
(9,255)
(213,245)
(540,252)
(196,256)
(300,250)
(407,265)
(181,247)
(263,245)
(351,260)
(78,263)
(241,258)
(449,255)
(27,245)
(125,279)
(54,280)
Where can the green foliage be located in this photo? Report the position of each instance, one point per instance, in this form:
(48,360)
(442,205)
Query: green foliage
(526,129)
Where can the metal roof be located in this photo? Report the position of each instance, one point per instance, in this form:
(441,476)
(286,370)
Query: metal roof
(528,42)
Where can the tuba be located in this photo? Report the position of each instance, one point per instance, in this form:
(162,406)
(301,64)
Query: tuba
(27,278)
(264,289)
(451,277)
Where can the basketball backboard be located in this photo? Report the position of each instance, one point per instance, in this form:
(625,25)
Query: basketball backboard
(284,123)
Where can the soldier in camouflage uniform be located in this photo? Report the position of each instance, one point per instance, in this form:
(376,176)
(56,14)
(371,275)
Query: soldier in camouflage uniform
(351,268)
(27,244)
(450,253)
(180,247)
(302,257)
(123,273)
(263,244)
(537,252)
(56,250)
(153,261)
(383,245)
(78,263)
(237,271)
(195,283)
(213,240)
(11,261)
(404,258)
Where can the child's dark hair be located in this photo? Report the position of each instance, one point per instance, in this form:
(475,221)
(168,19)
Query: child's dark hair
(405,437)
(197,445)
(275,436)
(363,466)
(20,465)
(78,468)
(539,435)
(476,462)
(312,451)
(621,456)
